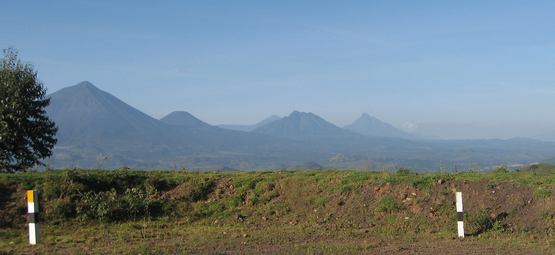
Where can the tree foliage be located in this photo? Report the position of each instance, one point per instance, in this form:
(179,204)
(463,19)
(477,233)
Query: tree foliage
(26,132)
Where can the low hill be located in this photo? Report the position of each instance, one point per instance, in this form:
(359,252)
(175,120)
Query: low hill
(184,119)
(538,168)
(249,128)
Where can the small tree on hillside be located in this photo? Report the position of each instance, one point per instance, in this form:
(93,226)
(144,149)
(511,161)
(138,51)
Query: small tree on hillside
(26,132)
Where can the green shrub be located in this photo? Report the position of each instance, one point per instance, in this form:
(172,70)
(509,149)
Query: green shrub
(258,200)
(263,187)
(422,183)
(388,204)
(512,212)
(245,183)
(109,206)
(207,210)
(321,201)
(403,175)
(347,188)
(442,209)
(542,193)
(403,171)
(137,202)
(481,222)
(500,170)
(62,207)
(359,177)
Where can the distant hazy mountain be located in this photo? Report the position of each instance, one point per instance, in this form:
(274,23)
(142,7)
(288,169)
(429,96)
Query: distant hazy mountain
(97,130)
(370,126)
(83,113)
(303,125)
(249,128)
(184,119)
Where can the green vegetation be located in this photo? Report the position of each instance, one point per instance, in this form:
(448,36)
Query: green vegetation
(388,204)
(127,211)
(538,168)
(542,193)
(26,132)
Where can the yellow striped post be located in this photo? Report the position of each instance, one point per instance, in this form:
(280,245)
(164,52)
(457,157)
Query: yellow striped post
(33,209)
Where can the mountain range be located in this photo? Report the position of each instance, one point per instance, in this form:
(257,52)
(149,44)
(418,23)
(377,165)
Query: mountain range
(97,130)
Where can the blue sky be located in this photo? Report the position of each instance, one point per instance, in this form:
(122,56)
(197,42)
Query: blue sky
(454,69)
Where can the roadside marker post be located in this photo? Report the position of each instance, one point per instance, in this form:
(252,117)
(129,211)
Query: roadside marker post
(33,209)
(460,223)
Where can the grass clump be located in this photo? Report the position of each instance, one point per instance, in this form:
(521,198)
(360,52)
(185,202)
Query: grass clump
(542,193)
(388,205)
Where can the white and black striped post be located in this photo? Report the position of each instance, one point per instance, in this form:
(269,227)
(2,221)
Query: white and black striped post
(460,223)
(33,209)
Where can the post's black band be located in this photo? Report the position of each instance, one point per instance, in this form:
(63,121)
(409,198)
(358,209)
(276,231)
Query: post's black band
(459,216)
(34,217)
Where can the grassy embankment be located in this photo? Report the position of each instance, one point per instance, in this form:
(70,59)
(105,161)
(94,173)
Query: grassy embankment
(329,211)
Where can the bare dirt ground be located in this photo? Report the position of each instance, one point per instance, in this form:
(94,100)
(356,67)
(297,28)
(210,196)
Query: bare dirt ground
(331,245)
